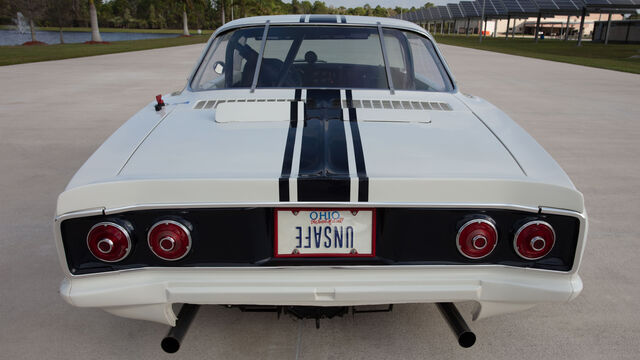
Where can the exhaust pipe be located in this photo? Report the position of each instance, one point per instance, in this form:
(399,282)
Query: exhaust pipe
(466,337)
(171,342)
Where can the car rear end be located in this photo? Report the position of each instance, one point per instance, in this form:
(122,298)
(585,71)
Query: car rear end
(319,197)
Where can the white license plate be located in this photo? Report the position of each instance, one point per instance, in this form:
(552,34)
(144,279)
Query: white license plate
(325,232)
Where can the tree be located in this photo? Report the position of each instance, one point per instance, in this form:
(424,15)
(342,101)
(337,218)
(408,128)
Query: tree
(59,10)
(171,13)
(32,9)
(319,8)
(80,10)
(95,31)
(380,11)
(222,15)
(5,11)
(185,20)
(296,8)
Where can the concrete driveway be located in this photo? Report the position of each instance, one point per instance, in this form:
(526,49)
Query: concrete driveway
(53,115)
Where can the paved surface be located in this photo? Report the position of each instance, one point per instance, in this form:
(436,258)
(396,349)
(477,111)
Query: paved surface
(53,115)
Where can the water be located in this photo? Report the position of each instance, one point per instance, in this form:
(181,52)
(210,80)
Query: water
(15,37)
(21,23)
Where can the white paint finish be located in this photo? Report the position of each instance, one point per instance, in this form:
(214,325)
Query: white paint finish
(351,158)
(253,112)
(412,162)
(189,144)
(536,161)
(479,191)
(295,19)
(402,95)
(454,145)
(394,115)
(455,158)
(300,286)
(314,232)
(119,193)
(191,158)
(107,160)
(240,94)
(295,160)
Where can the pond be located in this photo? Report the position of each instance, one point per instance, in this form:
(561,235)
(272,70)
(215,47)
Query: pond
(13,37)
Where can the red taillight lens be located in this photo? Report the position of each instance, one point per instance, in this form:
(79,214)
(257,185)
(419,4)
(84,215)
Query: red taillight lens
(534,240)
(109,242)
(169,240)
(477,238)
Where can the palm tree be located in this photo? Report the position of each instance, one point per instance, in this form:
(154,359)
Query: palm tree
(95,31)
(222,15)
(185,22)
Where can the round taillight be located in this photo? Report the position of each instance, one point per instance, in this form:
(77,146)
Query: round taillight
(534,240)
(109,242)
(477,238)
(169,240)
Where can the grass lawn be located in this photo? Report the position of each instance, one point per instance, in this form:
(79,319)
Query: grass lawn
(88,29)
(10,55)
(612,56)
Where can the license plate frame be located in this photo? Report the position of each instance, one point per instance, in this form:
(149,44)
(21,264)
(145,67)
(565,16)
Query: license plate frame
(278,254)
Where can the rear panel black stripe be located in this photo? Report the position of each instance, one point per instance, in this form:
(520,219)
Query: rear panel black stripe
(363,180)
(343,19)
(283,183)
(324,165)
(323,19)
(302,18)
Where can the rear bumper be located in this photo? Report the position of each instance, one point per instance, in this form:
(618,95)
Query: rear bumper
(148,293)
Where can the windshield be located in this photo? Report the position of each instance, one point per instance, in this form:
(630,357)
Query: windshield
(321,57)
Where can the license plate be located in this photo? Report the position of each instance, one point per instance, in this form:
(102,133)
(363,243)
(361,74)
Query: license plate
(325,232)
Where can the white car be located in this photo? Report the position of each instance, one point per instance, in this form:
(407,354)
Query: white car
(313,164)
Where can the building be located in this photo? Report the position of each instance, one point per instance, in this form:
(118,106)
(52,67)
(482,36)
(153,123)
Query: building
(626,31)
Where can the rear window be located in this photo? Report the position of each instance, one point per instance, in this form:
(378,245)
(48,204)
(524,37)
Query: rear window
(321,57)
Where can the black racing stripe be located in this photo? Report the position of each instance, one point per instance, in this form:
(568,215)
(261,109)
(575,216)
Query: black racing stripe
(323,19)
(349,96)
(324,164)
(283,183)
(343,19)
(302,18)
(363,179)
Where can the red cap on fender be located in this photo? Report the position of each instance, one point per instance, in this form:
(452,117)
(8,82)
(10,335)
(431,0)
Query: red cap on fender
(159,100)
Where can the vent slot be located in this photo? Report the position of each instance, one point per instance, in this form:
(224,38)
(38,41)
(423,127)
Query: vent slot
(435,106)
(358,104)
